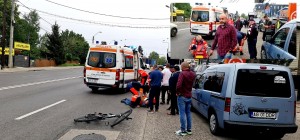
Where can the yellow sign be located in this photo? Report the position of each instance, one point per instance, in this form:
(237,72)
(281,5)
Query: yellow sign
(22,46)
(174,14)
(179,11)
(6,51)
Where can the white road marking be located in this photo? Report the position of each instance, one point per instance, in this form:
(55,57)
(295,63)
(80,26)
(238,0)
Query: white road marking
(31,113)
(37,83)
(183,29)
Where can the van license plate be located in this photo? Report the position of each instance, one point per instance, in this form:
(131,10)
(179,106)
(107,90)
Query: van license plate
(265,115)
(92,80)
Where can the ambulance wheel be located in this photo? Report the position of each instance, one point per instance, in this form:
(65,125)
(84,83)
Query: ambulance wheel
(94,89)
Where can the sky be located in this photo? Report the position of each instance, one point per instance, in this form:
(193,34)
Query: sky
(142,33)
(99,26)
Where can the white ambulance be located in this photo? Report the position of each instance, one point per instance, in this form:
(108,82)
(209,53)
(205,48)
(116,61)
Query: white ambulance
(111,66)
(205,20)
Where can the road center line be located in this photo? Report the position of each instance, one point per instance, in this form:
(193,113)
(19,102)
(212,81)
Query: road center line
(36,111)
(37,83)
(183,29)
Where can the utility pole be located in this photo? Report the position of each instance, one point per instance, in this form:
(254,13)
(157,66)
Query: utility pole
(11,37)
(3,34)
(171,9)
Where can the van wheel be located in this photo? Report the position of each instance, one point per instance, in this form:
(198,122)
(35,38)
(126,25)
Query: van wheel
(213,124)
(263,54)
(173,32)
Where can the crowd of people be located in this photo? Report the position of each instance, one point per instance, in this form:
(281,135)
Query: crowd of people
(229,39)
(170,84)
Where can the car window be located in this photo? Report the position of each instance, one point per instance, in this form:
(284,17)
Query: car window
(214,81)
(280,37)
(293,44)
(128,62)
(263,83)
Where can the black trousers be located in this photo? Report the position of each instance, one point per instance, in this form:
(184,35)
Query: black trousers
(174,106)
(154,92)
(164,89)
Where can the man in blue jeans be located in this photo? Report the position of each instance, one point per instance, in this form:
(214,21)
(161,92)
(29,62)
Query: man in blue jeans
(155,83)
(184,94)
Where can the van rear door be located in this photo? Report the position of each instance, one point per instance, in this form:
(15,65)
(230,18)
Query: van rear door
(262,94)
(101,68)
(200,22)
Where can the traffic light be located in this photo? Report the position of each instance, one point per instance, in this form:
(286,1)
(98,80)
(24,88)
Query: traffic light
(259,1)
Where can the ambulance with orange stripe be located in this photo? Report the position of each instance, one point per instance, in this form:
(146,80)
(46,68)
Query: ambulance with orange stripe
(111,66)
(205,20)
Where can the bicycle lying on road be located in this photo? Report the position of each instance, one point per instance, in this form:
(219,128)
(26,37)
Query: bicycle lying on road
(100,116)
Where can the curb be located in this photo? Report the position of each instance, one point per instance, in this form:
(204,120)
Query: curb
(20,69)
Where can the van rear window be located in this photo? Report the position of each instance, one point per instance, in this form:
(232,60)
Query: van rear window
(201,16)
(102,59)
(263,83)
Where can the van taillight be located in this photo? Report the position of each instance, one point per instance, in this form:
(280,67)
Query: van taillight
(84,71)
(227,104)
(263,67)
(210,26)
(118,74)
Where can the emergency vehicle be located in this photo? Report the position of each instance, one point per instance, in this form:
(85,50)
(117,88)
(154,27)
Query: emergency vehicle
(111,66)
(205,20)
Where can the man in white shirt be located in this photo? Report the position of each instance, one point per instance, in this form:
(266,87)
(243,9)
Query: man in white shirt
(165,84)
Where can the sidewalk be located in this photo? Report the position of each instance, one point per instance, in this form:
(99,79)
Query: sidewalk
(22,69)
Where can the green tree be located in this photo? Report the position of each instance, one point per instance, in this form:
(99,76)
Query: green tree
(55,45)
(153,55)
(26,31)
(162,60)
(186,7)
(75,46)
(243,15)
(7,18)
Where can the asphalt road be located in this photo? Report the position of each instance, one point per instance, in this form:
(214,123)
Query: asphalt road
(41,105)
(180,44)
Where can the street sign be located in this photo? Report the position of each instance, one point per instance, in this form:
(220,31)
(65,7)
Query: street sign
(6,51)
(235,60)
(22,46)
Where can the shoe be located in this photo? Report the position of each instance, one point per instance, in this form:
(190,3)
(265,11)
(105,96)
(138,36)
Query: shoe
(162,103)
(150,111)
(156,110)
(241,53)
(180,133)
(169,108)
(189,132)
(170,114)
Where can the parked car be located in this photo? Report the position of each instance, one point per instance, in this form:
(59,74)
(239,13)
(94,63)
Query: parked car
(264,102)
(282,45)
(174,29)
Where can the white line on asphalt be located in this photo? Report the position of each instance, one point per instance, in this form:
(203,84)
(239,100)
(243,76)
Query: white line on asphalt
(31,113)
(183,29)
(37,83)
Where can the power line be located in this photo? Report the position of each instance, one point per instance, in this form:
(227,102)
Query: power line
(105,14)
(99,23)
(40,26)
(31,11)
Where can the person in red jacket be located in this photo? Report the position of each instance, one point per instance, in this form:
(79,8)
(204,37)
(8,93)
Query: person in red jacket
(198,46)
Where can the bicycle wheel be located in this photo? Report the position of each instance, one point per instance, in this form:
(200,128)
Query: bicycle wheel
(121,117)
(87,118)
